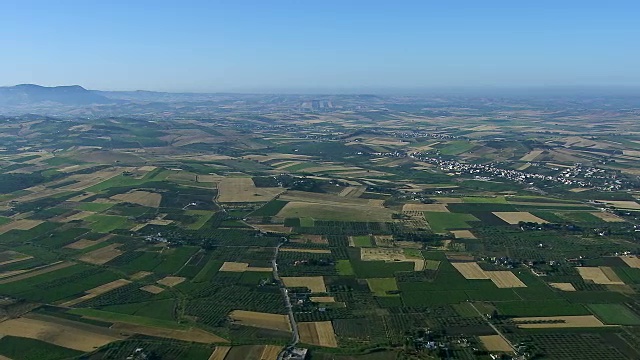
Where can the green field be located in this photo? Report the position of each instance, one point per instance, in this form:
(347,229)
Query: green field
(343,267)
(107,223)
(615,314)
(380,286)
(441,222)
(362,241)
(29,349)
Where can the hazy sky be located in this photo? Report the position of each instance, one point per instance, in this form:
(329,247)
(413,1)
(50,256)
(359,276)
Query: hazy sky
(271,45)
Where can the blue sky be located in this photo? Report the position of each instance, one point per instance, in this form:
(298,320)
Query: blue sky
(273,45)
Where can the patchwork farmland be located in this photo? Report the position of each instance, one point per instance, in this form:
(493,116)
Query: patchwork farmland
(353,234)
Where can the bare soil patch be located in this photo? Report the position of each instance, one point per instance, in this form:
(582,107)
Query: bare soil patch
(140,275)
(463,234)
(152,289)
(277,322)
(470,270)
(103,255)
(608,217)
(313,239)
(313,283)
(143,198)
(97,291)
(220,353)
(514,217)
(631,260)
(563,286)
(23,224)
(322,299)
(622,204)
(318,333)
(84,243)
(599,275)
(171,281)
(242,267)
(425,207)
(242,189)
(505,279)
(495,343)
(57,334)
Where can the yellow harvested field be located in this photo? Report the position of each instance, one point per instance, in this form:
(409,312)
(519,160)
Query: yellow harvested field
(192,334)
(270,352)
(495,343)
(220,353)
(563,286)
(73,216)
(152,289)
(13,256)
(390,255)
(470,270)
(632,261)
(147,168)
(37,271)
(310,251)
(318,333)
(463,234)
(531,155)
(171,281)
(514,217)
(103,255)
(425,207)
(547,322)
(277,322)
(97,291)
(84,243)
(58,334)
(140,275)
(608,217)
(600,275)
(313,283)
(242,189)
(23,224)
(322,299)
(505,279)
(143,198)
(353,191)
(230,266)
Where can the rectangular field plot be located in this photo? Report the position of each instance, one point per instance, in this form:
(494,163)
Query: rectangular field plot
(319,333)
(599,275)
(441,222)
(615,314)
(514,217)
(313,283)
(470,270)
(72,337)
(242,189)
(495,343)
(262,320)
(381,286)
(548,322)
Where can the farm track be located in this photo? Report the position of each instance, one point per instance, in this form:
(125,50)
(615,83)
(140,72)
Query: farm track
(285,293)
(493,327)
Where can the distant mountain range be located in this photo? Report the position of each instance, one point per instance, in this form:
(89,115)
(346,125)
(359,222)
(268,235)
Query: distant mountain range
(29,94)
